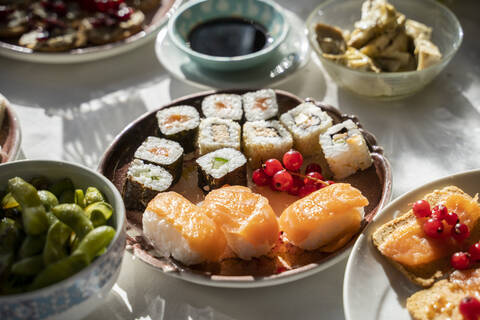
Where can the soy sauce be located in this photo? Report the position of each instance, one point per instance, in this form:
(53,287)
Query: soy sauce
(228,37)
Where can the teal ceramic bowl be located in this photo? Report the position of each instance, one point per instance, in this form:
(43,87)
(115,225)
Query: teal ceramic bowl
(264,12)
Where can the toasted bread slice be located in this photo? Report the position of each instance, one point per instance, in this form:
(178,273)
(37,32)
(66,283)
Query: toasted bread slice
(427,273)
(442,300)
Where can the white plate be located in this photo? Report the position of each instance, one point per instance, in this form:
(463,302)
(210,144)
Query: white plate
(373,288)
(292,55)
(94,52)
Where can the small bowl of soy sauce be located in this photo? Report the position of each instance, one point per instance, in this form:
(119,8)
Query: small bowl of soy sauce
(227,35)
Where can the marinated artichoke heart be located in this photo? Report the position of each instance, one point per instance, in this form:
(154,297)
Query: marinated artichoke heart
(383,40)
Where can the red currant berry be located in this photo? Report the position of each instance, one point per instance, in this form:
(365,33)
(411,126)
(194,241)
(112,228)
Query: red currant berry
(460,232)
(451,218)
(460,260)
(312,177)
(433,228)
(306,190)
(439,212)
(260,178)
(292,160)
(296,185)
(469,308)
(313,167)
(421,209)
(282,180)
(272,166)
(474,251)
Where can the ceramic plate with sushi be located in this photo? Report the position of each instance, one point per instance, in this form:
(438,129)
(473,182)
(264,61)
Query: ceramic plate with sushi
(246,188)
(10,136)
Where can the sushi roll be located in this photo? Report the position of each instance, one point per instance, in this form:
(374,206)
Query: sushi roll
(163,152)
(178,228)
(179,124)
(216,133)
(260,105)
(247,220)
(222,166)
(143,183)
(345,149)
(306,122)
(327,218)
(263,140)
(225,106)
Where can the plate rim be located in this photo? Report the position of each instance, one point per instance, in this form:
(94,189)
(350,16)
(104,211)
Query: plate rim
(288,276)
(382,214)
(90,53)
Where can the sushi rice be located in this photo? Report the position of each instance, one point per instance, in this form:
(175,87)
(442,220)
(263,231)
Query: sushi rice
(306,123)
(263,140)
(225,106)
(260,105)
(216,133)
(345,149)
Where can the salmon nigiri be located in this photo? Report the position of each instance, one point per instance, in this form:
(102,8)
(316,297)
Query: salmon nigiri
(326,218)
(180,229)
(246,218)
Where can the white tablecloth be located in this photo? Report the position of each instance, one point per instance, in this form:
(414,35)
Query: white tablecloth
(73,112)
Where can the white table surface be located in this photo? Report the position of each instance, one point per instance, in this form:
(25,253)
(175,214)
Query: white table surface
(73,113)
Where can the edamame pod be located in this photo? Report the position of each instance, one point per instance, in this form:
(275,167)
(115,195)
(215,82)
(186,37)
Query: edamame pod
(93,195)
(33,212)
(95,241)
(74,217)
(80,198)
(55,246)
(59,271)
(99,213)
(67,196)
(61,186)
(32,245)
(29,266)
(10,238)
(48,199)
(9,202)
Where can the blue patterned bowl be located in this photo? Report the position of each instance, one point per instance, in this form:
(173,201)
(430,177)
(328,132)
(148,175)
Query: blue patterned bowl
(77,296)
(264,12)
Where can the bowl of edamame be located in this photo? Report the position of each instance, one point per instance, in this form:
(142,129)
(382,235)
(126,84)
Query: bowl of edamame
(62,239)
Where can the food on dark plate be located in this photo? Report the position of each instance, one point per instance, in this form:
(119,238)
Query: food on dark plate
(260,105)
(179,123)
(215,133)
(63,25)
(48,232)
(383,40)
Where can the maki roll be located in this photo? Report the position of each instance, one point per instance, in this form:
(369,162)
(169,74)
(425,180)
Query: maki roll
(143,183)
(306,122)
(225,106)
(216,133)
(163,152)
(345,149)
(222,166)
(179,124)
(260,105)
(263,140)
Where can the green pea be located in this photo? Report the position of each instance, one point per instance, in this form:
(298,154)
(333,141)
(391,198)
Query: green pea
(31,245)
(96,240)
(61,186)
(99,213)
(55,245)
(80,198)
(59,271)
(68,196)
(48,199)
(33,213)
(93,195)
(29,266)
(73,216)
